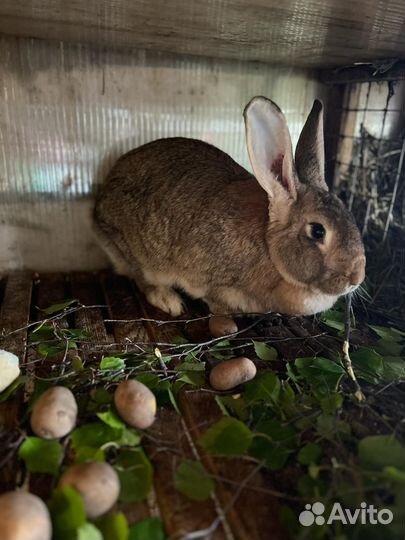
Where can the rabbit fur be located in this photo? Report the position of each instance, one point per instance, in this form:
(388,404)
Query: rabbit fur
(179,213)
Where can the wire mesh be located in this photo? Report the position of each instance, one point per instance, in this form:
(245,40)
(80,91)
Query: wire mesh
(370,178)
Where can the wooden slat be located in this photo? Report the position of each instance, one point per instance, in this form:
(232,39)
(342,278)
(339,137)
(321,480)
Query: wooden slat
(122,305)
(167,440)
(314,346)
(254,512)
(86,288)
(49,289)
(14,314)
(163,333)
(166,450)
(316,33)
(252,515)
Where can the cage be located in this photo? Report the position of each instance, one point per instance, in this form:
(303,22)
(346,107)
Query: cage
(301,450)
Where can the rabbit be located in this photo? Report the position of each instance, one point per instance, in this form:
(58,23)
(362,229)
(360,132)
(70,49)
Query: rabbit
(180,214)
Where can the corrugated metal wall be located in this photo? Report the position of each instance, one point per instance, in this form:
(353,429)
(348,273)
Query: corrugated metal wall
(68,111)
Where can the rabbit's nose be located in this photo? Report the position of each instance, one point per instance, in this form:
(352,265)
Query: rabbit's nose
(358,270)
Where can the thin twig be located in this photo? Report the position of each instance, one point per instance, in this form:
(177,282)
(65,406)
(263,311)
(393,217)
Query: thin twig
(346,356)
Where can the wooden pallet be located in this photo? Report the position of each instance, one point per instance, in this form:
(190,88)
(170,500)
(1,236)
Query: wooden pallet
(243,506)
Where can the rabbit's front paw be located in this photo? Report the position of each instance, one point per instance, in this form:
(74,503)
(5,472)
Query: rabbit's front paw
(166,299)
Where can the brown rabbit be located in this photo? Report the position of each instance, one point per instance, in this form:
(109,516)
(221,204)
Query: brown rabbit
(180,213)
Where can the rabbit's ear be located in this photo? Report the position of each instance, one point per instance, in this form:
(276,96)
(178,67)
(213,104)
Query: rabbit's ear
(269,147)
(310,151)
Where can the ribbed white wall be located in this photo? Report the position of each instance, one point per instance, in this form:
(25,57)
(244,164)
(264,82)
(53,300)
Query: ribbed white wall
(68,111)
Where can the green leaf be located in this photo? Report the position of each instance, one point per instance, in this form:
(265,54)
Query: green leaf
(114,526)
(55,347)
(195,378)
(228,437)
(193,481)
(332,403)
(95,434)
(394,474)
(135,473)
(43,332)
(59,307)
(379,451)
(190,366)
(216,349)
(77,363)
(273,442)
(270,453)
(179,340)
(393,368)
(98,434)
(67,512)
(129,437)
(101,396)
(368,365)
(173,401)
(41,455)
(265,387)
(112,362)
(88,453)
(19,381)
(148,379)
(74,333)
(89,532)
(147,529)
(264,351)
(391,340)
(328,426)
(237,405)
(111,418)
(287,396)
(334,319)
(310,453)
(322,374)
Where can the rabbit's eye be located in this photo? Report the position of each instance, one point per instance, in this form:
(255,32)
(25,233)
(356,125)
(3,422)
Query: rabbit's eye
(317,231)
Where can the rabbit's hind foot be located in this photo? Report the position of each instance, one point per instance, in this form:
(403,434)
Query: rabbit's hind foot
(164,298)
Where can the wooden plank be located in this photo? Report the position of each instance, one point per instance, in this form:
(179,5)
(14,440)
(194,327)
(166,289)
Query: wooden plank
(315,34)
(123,307)
(86,288)
(158,331)
(14,314)
(248,515)
(49,289)
(167,441)
(316,340)
(168,447)
(252,511)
